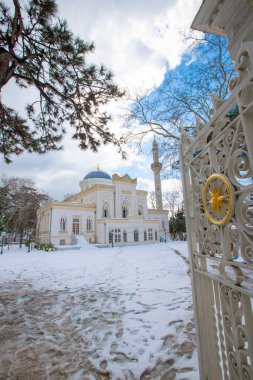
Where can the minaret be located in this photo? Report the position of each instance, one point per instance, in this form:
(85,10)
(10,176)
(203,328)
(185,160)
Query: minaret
(156,166)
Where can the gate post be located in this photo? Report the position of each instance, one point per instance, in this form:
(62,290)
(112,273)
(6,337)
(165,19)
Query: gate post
(217,175)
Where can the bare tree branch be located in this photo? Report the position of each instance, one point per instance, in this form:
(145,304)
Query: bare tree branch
(184,95)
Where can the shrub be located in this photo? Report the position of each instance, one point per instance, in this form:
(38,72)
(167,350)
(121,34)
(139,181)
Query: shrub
(44,246)
(28,242)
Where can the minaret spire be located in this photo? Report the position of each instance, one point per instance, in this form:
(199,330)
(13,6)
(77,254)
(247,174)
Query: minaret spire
(156,166)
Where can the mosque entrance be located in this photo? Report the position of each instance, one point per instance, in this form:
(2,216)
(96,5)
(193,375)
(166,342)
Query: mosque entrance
(75,228)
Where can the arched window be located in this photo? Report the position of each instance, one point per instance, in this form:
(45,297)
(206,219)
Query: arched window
(124,211)
(63,223)
(136,235)
(145,235)
(105,212)
(140,210)
(124,236)
(89,224)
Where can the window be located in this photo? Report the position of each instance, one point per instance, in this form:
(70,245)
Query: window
(105,212)
(75,227)
(145,235)
(117,234)
(125,236)
(63,224)
(136,235)
(124,212)
(62,242)
(140,210)
(156,236)
(150,234)
(110,236)
(89,224)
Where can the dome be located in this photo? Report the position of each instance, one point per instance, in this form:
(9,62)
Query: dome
(97,174)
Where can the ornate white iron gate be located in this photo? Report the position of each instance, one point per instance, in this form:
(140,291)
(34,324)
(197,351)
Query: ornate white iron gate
(218,189)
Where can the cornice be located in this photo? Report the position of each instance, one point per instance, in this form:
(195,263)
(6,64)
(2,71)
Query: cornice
(65,205)
(124,179)
(141,192)
(107,220)
(90,190)
(151,221)
(162,212)
(126,221)
(231,18)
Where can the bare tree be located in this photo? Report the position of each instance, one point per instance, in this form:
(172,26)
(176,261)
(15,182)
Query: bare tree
(172,201)
(152,200)
(184,96)
(67,196)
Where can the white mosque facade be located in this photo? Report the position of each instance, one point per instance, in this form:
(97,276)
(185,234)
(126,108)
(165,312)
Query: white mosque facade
(108,211)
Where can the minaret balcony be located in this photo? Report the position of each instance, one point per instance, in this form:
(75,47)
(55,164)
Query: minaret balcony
(156,166)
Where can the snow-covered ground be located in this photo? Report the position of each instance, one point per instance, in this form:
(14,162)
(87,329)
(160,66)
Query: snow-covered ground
(97,313)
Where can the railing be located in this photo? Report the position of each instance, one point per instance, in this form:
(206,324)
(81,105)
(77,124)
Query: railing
(218,190)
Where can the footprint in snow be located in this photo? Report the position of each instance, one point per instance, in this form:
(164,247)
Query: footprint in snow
(119,333)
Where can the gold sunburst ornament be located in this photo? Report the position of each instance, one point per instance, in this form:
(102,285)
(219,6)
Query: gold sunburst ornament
(218,199)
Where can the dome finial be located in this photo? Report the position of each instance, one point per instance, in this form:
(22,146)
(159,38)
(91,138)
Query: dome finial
(98,168)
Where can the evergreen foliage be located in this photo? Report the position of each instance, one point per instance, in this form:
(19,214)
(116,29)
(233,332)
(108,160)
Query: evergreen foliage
(177,223)
(38,50)
(19,200)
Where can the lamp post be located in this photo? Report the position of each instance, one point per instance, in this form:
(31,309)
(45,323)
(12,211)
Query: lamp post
(165,235)
(112,237)
(21,240)
(2,246)
(2,243)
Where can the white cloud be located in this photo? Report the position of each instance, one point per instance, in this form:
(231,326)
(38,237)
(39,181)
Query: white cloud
(59,173)
(138,40)
(167,184)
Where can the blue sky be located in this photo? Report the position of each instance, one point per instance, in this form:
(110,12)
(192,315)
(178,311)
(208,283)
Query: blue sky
(139,40)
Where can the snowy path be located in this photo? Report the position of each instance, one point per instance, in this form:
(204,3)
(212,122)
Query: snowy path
(116,313)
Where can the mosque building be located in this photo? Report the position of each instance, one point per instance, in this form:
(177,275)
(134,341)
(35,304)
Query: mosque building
(107,210)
